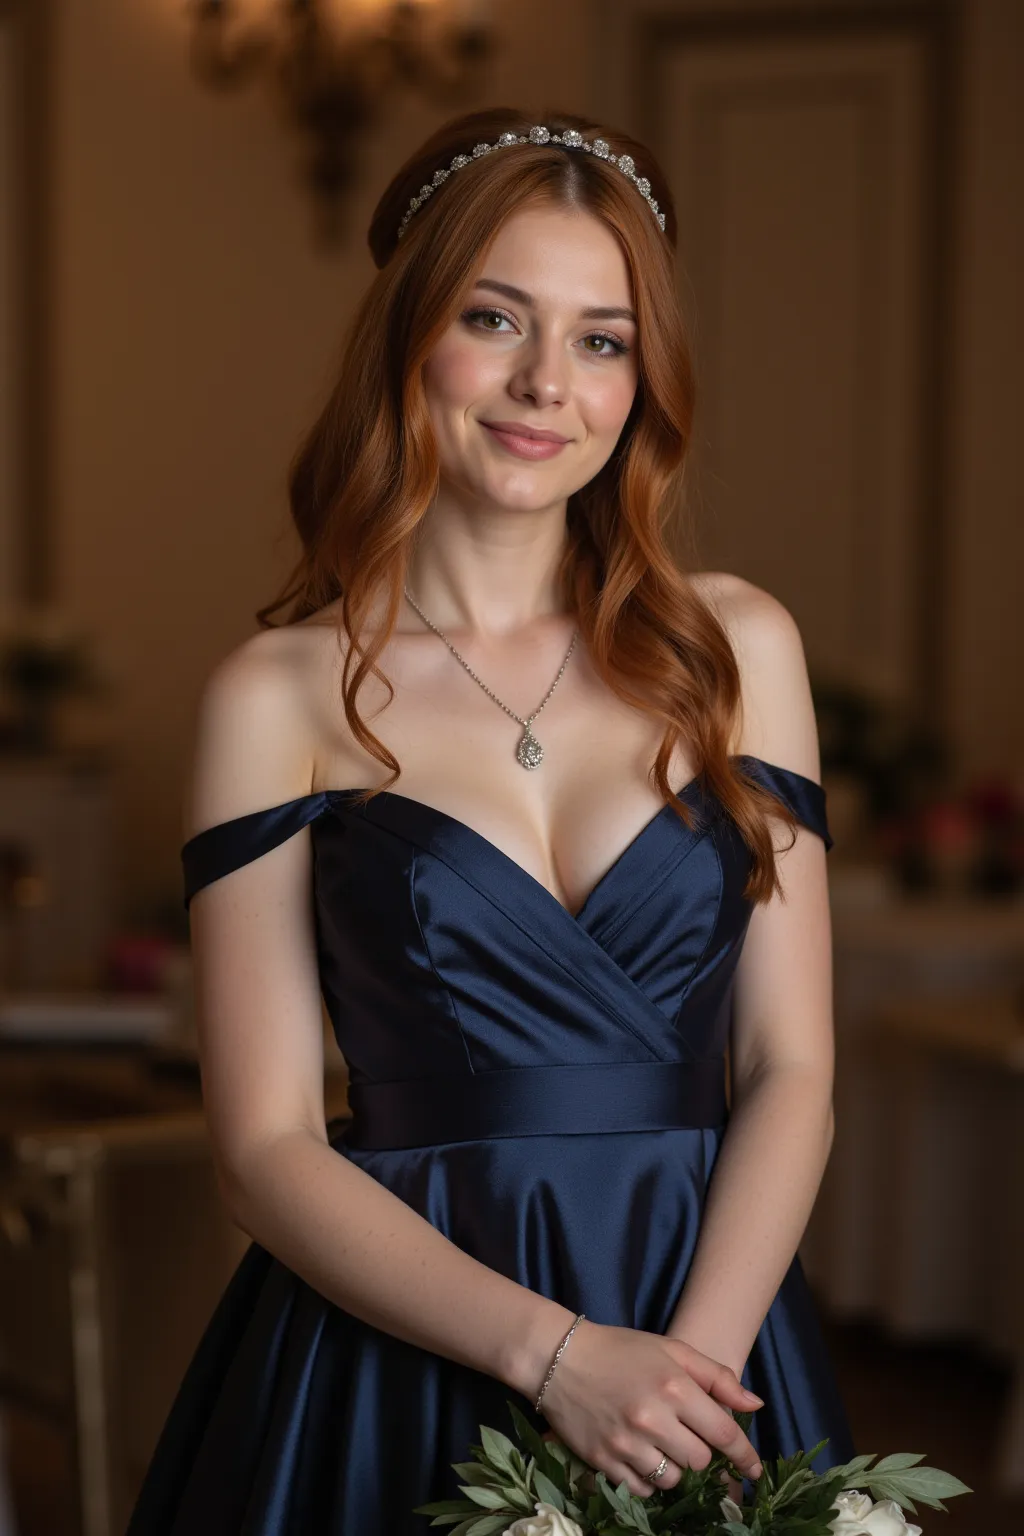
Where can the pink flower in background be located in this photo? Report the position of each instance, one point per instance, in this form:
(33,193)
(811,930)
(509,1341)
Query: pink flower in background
(137,962)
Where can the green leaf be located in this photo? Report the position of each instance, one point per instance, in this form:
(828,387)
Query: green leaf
(473,1472)
(499,1448)
(639,1513)
(577,1468)
(466,1526)
(597,1509)
(620,1494)
(853,1468)
(618,1497)
(928,1484)
(547,1491)
(898,1461)
(525,1430)
(543,1451)
(519,1501)
(488,1525)
(487,1498)
(676,1510)
(794,1485)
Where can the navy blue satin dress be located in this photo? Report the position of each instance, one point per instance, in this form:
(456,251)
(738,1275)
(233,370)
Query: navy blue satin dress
(547,1089)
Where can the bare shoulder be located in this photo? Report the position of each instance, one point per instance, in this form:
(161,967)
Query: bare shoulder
(777,717)
(759,626)
(254,736)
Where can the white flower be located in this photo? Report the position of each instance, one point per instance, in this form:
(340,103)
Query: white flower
(548,1522)
(853,1505)
(858,1516)
(731,1511)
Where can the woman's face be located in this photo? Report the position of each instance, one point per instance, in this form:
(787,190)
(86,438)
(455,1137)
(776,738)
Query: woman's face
(545,342)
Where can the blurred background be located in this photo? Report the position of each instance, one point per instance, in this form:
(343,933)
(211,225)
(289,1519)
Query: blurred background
(184,190)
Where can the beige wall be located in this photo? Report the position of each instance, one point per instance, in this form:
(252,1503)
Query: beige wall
(195,324)
(986,632)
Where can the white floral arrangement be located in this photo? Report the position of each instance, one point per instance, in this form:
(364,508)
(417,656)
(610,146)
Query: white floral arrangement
(541,1488)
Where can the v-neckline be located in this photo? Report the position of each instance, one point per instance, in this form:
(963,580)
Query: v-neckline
(479,839)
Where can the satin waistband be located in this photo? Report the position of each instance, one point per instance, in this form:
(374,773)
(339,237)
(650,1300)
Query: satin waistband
(537,1101)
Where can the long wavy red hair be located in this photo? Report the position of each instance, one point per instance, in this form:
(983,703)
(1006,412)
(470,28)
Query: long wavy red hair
(368,469)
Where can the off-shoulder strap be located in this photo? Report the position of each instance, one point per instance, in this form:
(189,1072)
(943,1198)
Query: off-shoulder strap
(230,844)
(803,796)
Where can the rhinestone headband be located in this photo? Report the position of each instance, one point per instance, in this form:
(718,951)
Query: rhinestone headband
(570,139)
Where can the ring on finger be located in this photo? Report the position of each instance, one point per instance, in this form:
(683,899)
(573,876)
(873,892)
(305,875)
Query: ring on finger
(652,1477)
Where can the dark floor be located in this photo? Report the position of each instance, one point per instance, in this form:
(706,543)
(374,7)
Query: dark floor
(944,1401)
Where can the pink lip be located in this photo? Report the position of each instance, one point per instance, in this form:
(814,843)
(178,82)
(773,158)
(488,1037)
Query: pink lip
(526,442)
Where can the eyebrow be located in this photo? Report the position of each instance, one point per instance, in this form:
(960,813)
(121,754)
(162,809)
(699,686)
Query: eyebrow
(596,312)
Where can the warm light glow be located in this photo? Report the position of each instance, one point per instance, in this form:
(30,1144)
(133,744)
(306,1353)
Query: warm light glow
(348,11)
(331,61)
(345,13)
(353,13)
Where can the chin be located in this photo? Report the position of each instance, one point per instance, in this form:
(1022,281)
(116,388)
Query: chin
(526,495)
(528,501)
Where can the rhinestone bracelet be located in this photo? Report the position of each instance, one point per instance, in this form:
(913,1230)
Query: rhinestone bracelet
(558,1355)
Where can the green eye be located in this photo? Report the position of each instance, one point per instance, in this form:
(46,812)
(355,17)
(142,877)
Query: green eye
(474,316)
(478,318)
(619,348)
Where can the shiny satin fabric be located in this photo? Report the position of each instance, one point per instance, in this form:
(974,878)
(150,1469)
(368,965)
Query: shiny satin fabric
(450,975)
(539,1101)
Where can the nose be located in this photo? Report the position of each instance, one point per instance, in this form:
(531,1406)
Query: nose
(542,372)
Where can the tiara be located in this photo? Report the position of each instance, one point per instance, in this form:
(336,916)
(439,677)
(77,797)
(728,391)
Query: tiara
(570,139)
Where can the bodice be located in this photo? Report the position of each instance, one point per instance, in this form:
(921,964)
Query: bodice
(441,958)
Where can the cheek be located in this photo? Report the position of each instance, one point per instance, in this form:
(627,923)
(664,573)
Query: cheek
(457,374)
(608,402)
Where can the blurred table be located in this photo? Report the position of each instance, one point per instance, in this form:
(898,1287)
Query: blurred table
(110,1219)
(917,1224)
(957,1249)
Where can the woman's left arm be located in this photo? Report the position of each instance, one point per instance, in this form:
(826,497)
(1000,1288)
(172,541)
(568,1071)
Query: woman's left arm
(779,1134)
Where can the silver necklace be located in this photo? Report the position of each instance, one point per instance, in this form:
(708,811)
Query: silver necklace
(529,752)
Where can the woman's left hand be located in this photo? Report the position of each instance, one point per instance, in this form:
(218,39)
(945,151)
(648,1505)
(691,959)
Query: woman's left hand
(729,1484)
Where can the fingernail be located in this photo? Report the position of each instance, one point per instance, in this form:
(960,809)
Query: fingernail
(754,1397)
(757,1469)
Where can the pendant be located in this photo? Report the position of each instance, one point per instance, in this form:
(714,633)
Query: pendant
(529,751)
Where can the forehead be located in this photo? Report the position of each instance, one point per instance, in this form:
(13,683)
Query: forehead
(560,256)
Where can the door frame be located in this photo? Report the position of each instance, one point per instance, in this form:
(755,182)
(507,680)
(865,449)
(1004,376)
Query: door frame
(651,31)
(29,25)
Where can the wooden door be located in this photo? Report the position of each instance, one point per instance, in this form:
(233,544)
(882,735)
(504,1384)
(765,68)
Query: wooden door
(801,147)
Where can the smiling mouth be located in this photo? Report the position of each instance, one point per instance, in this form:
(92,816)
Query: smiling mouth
(517,440)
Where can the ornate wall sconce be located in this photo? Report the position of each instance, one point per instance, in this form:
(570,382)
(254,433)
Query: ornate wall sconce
(334,64)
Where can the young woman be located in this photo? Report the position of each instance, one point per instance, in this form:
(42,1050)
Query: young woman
(603,865)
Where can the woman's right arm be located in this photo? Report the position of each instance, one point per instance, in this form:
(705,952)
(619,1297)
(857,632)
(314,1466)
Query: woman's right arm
(260,1032)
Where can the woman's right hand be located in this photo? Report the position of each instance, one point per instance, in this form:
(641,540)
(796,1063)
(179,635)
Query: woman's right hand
(622,1398)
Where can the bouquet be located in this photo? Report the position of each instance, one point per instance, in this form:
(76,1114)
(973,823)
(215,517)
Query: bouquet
(540,1488)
